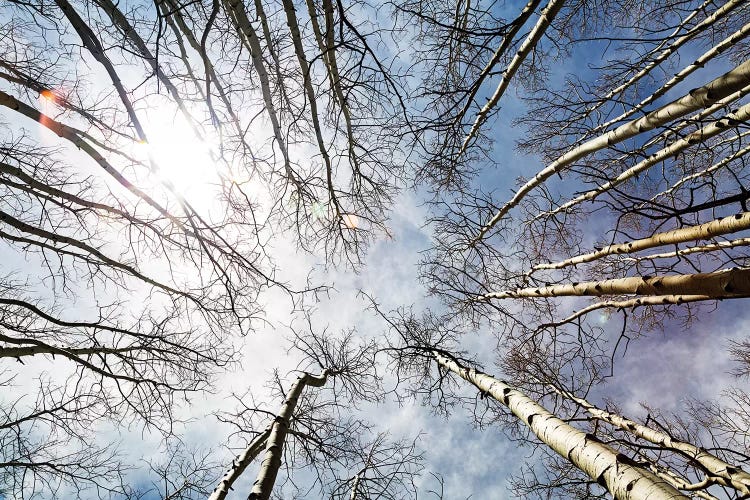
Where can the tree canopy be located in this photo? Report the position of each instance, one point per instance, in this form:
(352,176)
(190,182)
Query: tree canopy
(361,249)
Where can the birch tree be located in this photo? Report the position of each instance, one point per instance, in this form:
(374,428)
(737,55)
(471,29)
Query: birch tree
(315,433)
(92,199)
(155,157)
(659,166)
(626,458)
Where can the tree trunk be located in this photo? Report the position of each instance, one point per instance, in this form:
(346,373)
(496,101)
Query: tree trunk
(723,124)
(717,470)
(239,465)
(600,462)
(275,446)
(698,98)
(705,231)
(536,33)
(727,283)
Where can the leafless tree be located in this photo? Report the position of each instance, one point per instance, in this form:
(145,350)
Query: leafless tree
(659,458)
(125,291)
(314,433)
(134,288)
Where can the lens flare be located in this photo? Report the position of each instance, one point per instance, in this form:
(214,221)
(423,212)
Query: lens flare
(350,220)
(49,96)
(318,210)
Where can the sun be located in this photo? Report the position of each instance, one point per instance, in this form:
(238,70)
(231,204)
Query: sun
(179,158)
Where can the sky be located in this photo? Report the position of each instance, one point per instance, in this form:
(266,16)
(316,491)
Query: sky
(663,369)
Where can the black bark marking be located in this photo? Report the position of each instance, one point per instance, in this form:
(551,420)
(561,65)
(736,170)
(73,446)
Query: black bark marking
(624,459)
(506,395)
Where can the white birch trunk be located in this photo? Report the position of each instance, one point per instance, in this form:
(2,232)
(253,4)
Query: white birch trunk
(355,485)
(292,23)
(665,54)
(600,462)
(269,468)
(723,86)
(713,168)
(721,245)
(712,130)
(699,63)
(718,471)
(536,33)
(705,231)
(726,283)
(659,300)
(236,12)
(508,38)
(239,465)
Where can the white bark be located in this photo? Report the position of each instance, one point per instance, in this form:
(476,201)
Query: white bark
(546,17)
(659,300)
(664,55)
(699,63)
(726,283)
(239,465)
(291,16)
(712,130)
(236,12)
(728,84)
(600,462)
(713,168)
(269,468)
(508,38)
(718,471)
(721,245)
(328,49)
(355,486)
(705,231)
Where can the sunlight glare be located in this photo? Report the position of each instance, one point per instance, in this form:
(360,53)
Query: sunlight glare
(351,221)
(183,160)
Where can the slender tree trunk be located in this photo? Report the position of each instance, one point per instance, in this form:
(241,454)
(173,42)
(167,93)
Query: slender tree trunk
(723,124)
(536,33)
(357,479)
(235,10)
(665,54)
(705,231)
(718,471)
(700,62)
(275,444)
(600,462)
(657,300)
(721,245)
(294,29)
(508,38)
(94,46)
(726,283)
(702,97)
(239,465)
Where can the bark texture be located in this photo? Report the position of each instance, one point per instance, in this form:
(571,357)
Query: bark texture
(239,465)
(546,17)
(275,445)
(717,470)
(702,97)
(727,283)
(623,480)
(705,231)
